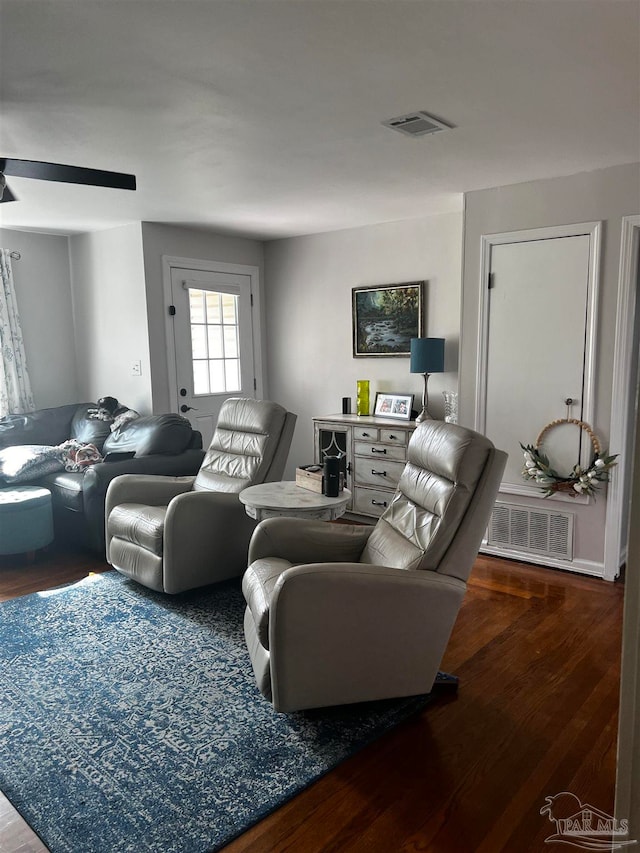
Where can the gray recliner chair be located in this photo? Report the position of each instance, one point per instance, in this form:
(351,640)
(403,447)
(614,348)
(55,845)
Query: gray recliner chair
(343,613)
(172,534)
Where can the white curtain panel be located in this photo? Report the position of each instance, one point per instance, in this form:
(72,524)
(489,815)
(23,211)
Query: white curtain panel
(15,388)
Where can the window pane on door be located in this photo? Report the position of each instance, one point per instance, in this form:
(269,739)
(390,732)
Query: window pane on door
(214,341)
(200,377)
(230,342)
(198,341)
(216,376)
(196,306)
(216,349)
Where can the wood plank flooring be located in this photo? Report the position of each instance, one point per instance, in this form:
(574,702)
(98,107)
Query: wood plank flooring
(538,656)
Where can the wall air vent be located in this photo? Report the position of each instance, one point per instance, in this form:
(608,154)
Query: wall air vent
(536,531)
(416,124)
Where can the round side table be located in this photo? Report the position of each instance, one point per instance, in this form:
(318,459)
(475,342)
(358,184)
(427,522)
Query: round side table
(270,500)
(26,519)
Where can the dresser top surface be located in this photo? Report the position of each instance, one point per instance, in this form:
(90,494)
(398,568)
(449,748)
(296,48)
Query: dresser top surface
(368,420)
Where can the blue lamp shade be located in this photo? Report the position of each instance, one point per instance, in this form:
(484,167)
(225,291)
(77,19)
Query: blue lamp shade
(427,355)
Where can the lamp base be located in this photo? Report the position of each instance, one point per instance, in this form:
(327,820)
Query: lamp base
(423,416)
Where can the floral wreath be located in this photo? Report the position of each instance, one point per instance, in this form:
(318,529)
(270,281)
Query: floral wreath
(581,481)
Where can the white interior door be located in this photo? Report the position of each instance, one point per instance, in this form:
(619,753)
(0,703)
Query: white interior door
(213,339)
(538,303)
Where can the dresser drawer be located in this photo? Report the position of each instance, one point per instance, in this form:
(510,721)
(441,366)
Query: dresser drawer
(383,473)
(368,433)
(394,436)
(371,501)
(379,451)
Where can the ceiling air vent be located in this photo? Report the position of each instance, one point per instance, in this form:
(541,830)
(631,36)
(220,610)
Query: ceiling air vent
(416,124)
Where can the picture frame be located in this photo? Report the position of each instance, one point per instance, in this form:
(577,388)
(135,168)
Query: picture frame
(398,406)
(385,318)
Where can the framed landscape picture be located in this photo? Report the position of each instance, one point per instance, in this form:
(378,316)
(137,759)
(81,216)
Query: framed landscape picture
(386,317)
(393,406)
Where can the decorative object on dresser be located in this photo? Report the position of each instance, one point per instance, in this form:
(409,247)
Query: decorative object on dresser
(427,356)
(372,455)
(396,406)
(386,317)
(362,397)
(450,407)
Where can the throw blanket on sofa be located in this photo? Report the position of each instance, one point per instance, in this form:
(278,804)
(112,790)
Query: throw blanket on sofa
(21,463)
(77,456)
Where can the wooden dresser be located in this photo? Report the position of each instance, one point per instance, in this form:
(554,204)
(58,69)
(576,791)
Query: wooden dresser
(373,453)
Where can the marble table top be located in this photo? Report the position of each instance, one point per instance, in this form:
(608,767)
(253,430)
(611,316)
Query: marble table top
(286,498)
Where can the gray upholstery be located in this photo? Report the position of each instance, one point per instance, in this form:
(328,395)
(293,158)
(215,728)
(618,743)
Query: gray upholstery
(177,533)
(343,613)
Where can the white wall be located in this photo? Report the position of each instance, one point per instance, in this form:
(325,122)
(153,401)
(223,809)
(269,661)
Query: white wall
(308,294)
(43,289)
(604,195)
(109,309)
(196,244)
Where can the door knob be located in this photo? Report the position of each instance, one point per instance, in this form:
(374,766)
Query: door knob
(185,408)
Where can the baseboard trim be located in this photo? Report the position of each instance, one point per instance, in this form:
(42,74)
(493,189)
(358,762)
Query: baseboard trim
(584,567)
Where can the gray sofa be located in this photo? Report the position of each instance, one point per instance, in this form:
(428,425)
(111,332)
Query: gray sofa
(152,444)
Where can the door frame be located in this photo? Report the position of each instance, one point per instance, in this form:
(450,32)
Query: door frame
(626,318)
(593,230)
(171,262)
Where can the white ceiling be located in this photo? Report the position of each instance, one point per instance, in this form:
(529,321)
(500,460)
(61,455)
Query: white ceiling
(262,117)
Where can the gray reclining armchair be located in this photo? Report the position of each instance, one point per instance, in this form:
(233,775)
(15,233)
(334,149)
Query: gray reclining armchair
(177,533)
(343,613)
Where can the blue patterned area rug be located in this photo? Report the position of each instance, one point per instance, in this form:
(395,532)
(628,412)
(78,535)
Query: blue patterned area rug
(131,721)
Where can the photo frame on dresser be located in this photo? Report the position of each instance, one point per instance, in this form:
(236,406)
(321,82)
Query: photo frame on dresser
(386,317)
(397,406)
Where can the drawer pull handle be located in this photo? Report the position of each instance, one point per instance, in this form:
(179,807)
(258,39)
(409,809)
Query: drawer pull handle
(379,473)
(378,503)
(365,435)
(393,437)
(375,450)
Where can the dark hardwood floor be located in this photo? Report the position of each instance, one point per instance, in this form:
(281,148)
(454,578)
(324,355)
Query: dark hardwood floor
(538,656)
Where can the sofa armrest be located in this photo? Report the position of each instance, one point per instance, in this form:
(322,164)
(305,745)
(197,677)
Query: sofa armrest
(337,631)
(300,540)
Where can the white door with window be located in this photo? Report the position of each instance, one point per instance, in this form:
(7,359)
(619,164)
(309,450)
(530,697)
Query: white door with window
(213,336)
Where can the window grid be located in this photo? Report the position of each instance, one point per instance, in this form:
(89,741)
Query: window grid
(214,342)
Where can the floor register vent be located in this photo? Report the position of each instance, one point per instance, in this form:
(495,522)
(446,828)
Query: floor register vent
(537,531)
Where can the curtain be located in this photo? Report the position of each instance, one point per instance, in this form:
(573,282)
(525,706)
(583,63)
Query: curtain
(15,388)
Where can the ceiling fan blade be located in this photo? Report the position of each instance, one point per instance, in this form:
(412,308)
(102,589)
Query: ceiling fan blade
(67,174)
(7,195)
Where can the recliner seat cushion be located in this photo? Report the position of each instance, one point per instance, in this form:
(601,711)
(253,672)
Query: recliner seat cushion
(139,525)
(444,463)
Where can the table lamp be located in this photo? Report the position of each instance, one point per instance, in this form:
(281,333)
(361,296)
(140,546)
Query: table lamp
(427,356)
